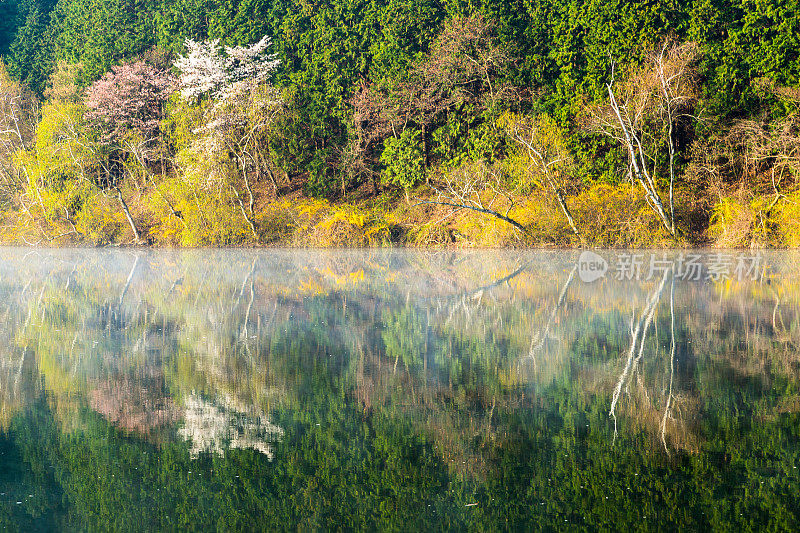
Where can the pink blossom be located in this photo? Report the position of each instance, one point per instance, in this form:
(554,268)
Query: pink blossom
(129,97)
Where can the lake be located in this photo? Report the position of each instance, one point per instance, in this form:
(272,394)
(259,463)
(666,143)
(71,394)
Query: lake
(399,390)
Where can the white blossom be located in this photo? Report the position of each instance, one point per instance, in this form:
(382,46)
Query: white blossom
(203,69)
(251,63)
(212,428)
(209,69)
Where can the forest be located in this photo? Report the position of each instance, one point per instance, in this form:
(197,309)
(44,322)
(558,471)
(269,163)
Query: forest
(400,122)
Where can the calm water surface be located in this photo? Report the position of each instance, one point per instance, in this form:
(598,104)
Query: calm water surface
(398,390)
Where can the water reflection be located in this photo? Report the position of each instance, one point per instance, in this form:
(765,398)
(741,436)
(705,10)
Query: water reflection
(398,388)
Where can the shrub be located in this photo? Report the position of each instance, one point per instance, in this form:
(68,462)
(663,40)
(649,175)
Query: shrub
(99,223)
(207,215)
(737,223)
(618,215)
(789,219)
(403,160)
(763,221)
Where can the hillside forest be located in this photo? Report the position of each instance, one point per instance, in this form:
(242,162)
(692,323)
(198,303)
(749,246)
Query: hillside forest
(377,122)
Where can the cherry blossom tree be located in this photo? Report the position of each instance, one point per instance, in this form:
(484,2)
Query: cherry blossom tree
(208,68)
(231,148)
(127,102)
(129,97)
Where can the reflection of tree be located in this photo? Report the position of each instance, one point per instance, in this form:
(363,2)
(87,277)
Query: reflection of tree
(638,337)
(538,340)
(211,428)
(16,386)
(134,404)
(668,408)
(92,345)
(384,390)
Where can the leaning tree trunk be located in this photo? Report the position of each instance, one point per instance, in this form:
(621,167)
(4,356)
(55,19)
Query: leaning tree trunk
(128,215)
(485,211)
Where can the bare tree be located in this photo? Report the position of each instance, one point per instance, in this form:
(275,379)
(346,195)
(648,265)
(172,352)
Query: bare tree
(476,187)
(748,162)
(19,110)
(642,114)
(769,149)
(480,187)
(550,162)
(460,70)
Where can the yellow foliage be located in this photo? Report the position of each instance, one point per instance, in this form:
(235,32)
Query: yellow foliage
(789,219)
(98,222)
(62,140)
(605,215)
(207,217)
(616,216)
(430,234)
(182,120)
(348,225)
(538,155)
(763,221)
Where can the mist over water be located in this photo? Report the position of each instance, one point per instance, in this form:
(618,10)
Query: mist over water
(394,389)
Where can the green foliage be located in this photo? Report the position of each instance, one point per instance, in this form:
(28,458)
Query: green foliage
(9,21)
(30,51)
(100,33)
(403,160)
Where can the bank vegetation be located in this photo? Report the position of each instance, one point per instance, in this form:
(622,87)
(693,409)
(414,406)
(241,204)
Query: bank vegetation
(466,127)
